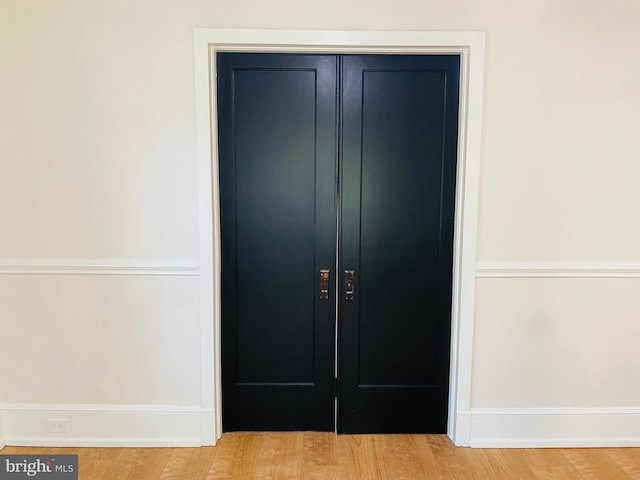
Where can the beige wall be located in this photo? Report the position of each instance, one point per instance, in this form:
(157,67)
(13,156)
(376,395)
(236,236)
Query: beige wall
(97,160)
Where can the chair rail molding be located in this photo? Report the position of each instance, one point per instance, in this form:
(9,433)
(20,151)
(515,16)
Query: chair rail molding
(558,270)
(98,266)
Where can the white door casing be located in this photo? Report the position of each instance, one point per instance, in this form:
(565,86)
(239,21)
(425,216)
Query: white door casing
(470,47)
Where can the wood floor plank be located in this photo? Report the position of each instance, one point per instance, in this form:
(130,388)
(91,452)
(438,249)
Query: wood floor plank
(236,459)
(447,464)
(555,472)
(510,464)
(321,473)
(359,457)
(400,457)
(142,463)
(476,463)
(628,459)
(595,464)
(348,456)
(427,464)
(281,457)
(99,463)
(188,464)
(319,449)
(545,457)
(178,465)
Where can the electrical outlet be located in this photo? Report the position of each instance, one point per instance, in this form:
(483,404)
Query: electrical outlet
(58,425)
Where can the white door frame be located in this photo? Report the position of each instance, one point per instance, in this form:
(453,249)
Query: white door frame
(470,47)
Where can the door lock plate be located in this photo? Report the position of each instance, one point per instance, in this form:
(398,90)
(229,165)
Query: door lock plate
(349,284)
(324,284)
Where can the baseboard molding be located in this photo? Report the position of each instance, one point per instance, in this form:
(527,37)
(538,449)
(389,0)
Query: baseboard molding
(555,427)
(98,266)
(2,444)
(177,426)
(104,425)
(557,270)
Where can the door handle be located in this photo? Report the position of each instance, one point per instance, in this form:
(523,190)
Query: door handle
(324,284)
(349,284)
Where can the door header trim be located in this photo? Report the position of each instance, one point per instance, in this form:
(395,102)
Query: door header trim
(470,46)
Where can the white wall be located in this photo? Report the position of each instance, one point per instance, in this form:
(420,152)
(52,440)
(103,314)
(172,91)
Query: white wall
(97,162)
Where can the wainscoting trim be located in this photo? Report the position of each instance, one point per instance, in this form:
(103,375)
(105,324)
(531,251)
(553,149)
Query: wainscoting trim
(98,266)
(557,270)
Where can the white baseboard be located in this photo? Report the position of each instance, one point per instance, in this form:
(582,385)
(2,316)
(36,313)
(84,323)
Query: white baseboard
(175,426)
(555,427)
(104,425)
(2,444)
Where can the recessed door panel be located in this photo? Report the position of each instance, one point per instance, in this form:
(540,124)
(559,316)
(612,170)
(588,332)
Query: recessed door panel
(399,225)
(275,178)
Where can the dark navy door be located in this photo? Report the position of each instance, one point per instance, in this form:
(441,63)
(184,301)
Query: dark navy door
(277,148)
(325,159)
(399,137)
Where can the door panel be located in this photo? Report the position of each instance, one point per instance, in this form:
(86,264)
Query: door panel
(288,124)
(399,136)
(277,185)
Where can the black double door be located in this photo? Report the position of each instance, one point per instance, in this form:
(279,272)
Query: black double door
(337,179)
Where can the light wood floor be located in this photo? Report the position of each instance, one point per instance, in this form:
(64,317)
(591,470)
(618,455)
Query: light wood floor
(328,456)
